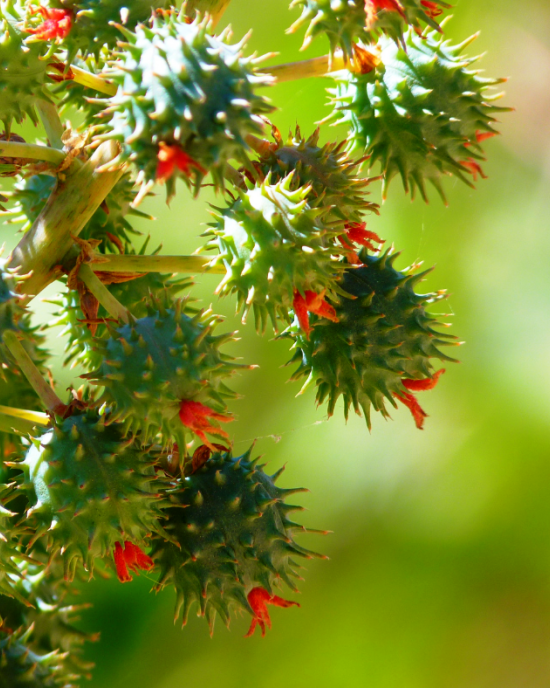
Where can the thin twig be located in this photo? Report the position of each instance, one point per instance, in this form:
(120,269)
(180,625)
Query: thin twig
(48,397)
(164,264)
(102,294)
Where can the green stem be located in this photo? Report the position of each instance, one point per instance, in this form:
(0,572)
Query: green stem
(52,123)
(48,397)
(103,295)
(97,83)
(41,252)
(13,149)
(292,71)
(318,66)
(21,419)
(165,264)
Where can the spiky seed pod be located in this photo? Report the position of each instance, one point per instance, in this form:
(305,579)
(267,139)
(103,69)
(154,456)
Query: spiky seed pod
(109,223)
(20,667)
(134,295)
(153,364)
(93,23)
(233,534)
(44,603)
(345,22)
(9,554)
(14,317)
(22,71)
(273,244)
(336,189)
(383,335)
(89,487)
(421,113)
(181,88)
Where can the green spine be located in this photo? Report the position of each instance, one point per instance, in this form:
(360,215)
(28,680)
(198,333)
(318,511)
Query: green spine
(200,97)
(134,295)
(93,20)
(22,71)
(154,363)
(89,487)
(418,114)
(272,243)
(21,667)
(336,188)
(383,335)
(344,22)
(233,533)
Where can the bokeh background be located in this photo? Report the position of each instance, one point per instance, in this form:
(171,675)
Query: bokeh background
(439,571)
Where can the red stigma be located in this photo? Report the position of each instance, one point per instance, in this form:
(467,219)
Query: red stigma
(57,24)
(372,7)
(474,168)
(131,557)
(432,10)
(171,157)
(410,400)
(356,233)
(312,302)
(195,415)
(258,599)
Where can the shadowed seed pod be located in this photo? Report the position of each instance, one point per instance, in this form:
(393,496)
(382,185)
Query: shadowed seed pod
(345,22)
(231,535)
(336,188)
(164,372)
(421,112)
(89,486)
(24,668)
(45,603)
(23,76)
(273,246)
(186,101)
(134,295)
(382,346)
(10,557)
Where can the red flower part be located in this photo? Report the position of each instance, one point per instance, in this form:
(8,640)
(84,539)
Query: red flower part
(312,302)
(474,167)
(432,10)
(131,557)
(373,6)
(483,135)
(171,157)
(57,24)
(258,599)
(357,233)
(194,416)
(410,400)
(423,385)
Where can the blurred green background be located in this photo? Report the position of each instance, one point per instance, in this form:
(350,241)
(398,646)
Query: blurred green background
(439,571)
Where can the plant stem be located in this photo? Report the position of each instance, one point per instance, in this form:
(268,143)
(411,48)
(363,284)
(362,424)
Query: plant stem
(48,397)
(103,295)
(52,123)
(71,205)
(13,149)
(97,83)
(21,419)
(166,264)
(318,66)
